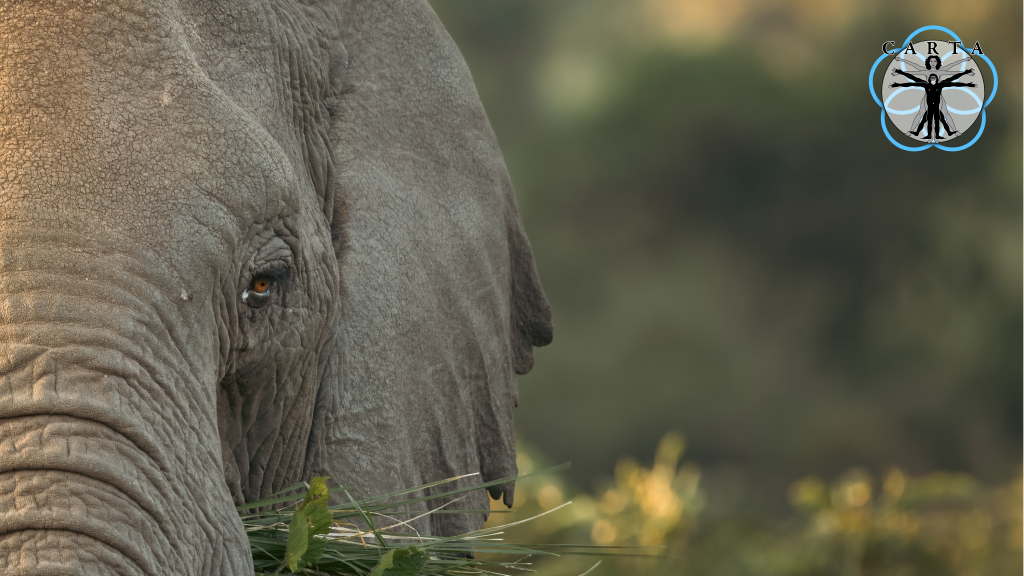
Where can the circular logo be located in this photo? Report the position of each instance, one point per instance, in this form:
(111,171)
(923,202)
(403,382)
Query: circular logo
(932,94)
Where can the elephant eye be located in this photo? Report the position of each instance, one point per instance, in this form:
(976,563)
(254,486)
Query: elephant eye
(258,292)
(261,285)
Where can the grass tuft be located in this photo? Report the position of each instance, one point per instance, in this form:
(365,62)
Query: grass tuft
(294,532)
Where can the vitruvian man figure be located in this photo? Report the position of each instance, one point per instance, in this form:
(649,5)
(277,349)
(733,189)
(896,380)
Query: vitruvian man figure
(933,105)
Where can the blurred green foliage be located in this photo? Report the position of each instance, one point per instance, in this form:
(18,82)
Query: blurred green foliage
(854,525)
(732,248)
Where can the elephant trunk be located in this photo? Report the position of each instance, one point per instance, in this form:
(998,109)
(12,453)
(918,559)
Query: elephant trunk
(109,457)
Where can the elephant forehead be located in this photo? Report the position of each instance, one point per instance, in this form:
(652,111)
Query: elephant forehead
(108,127)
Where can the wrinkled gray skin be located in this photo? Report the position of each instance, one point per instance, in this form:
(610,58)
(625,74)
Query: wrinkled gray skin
(158,158)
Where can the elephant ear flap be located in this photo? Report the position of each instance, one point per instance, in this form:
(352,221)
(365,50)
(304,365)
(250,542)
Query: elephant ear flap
(531,314)
(441,303)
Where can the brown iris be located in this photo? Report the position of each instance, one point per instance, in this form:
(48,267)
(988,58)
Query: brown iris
(260,285)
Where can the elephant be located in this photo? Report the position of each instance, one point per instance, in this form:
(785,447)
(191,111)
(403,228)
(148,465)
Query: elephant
(242,244)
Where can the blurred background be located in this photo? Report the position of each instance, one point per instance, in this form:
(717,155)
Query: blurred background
(782,345)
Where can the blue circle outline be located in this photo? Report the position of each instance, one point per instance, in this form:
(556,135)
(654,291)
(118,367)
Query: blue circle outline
(885,129)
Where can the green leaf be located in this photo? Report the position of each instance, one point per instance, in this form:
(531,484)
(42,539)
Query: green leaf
(317,490)
(311,519)
(298,541)
(401,562)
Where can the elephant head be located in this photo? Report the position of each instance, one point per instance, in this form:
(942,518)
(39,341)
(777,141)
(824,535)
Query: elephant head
(242,244)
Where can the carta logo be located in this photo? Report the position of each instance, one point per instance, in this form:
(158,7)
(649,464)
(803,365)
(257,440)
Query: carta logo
(933,91)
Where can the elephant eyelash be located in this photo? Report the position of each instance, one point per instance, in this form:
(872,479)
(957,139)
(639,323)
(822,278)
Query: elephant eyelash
(277,273)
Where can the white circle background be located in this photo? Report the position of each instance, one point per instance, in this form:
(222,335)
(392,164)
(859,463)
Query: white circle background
(903,104)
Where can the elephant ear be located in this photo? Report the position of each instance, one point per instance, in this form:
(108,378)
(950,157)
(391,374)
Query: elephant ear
(441,303)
